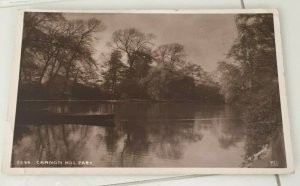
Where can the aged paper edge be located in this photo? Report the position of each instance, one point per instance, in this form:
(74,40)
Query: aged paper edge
(9,127)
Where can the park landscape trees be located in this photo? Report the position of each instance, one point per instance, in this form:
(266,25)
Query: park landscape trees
(58,62)
(58,59)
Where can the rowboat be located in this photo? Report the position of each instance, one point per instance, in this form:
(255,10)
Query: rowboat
(63,118)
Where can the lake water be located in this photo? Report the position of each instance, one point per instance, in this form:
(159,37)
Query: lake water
(143,134)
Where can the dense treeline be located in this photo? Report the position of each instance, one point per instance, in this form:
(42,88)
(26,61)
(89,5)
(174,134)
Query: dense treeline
(250,80)
(58,62)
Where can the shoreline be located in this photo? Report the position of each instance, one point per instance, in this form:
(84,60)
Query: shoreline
(125,101)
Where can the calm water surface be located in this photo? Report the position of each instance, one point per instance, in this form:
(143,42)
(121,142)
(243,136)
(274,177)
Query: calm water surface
(143,135)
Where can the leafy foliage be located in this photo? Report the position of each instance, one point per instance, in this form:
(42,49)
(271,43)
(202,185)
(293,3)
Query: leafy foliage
(251,80)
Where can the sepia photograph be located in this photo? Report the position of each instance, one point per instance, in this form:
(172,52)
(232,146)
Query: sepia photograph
(150,89)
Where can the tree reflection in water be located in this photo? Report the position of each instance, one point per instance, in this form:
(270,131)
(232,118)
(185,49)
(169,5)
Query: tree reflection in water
(143,135)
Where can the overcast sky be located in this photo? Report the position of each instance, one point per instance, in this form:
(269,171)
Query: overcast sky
(206,37)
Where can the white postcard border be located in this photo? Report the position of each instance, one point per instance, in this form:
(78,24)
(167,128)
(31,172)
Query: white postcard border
(126,171)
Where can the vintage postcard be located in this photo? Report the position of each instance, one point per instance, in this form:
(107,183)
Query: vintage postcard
(148,92)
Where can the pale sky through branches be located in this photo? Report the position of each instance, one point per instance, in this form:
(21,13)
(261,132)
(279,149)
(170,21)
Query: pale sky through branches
(206,37)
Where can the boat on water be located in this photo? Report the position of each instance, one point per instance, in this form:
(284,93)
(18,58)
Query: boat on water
(47,117)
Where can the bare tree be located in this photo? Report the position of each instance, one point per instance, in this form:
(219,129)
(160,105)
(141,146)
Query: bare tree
(170,54)
(131,41)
